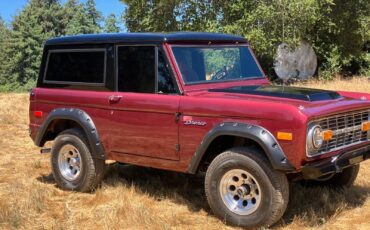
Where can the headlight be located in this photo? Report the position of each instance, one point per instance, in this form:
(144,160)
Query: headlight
(315,139)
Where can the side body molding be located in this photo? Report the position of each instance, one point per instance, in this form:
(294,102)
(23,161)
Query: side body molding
(81,118)
(256,133)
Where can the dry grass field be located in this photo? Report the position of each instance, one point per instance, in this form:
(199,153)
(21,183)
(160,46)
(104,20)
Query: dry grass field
(140,198)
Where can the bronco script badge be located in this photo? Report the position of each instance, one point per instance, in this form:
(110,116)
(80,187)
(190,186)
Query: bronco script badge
(188,120)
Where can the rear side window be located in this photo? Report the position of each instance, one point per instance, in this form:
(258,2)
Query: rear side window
(136,69)
(80,66)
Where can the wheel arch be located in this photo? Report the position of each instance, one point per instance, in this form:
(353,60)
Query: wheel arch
(255,135)
(61,119)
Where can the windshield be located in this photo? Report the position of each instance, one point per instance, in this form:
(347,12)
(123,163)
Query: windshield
(212,64)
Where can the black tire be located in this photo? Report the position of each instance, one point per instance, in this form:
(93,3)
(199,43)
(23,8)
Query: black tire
(274,187)
(91,169)
(344,179)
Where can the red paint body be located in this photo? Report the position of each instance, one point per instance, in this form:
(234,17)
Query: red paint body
(141,128)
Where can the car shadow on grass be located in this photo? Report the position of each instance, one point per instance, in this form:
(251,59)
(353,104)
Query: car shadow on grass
(160,184)
(314,205)
(46,179)
(181,188)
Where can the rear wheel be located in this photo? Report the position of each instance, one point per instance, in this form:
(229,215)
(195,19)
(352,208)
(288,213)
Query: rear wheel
(243,190)
(73,166)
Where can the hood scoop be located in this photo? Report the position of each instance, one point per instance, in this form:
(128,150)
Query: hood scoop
(304,94)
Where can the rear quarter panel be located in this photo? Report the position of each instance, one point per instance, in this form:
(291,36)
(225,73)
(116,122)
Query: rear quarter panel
(95,104)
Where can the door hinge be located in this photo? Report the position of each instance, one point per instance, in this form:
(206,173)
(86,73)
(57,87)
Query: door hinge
(177,147)
(177,116)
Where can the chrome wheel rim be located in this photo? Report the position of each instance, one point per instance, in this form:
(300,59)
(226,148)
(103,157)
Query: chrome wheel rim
(240,192)
(69,162)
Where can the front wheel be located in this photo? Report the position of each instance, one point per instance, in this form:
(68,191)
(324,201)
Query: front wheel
(73,166)
(243,190)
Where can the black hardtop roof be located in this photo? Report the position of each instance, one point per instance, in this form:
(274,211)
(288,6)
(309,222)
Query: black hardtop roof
(145,37)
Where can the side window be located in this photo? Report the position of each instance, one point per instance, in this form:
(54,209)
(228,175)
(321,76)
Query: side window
(76,66)
(136,69)
(165,82)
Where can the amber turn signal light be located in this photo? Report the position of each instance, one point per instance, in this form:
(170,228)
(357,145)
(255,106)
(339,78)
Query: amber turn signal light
(284,136)
(327,135)
(365,126)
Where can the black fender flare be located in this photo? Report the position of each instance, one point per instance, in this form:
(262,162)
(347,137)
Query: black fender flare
(80,117)
(256,133)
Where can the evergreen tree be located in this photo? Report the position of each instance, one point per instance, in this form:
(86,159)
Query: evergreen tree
(111,24)
(94,16)
(81,18)
(79,23)
(151,16)
(37,22)
(170,15)
(4,33)
(70,9)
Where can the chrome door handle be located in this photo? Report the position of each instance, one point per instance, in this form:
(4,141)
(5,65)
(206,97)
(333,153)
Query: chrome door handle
(114,98)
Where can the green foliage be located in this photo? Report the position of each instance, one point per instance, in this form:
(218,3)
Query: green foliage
(216,60)
(337,29)
(21,43)
(266,24)
(81,18)
(30,28)
(111,24)
(364,65)
(151,16)
(4,33)
(197,15)
(340,34)
(94,16)
(169,15)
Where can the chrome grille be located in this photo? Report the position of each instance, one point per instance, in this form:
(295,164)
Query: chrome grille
(346,129)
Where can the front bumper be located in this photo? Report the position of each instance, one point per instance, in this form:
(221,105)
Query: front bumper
(336,163)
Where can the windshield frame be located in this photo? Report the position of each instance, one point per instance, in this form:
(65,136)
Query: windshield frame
(263,75)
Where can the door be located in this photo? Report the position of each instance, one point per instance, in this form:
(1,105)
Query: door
(144,108)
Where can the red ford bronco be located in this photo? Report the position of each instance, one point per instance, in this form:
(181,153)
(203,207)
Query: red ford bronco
(193,102)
